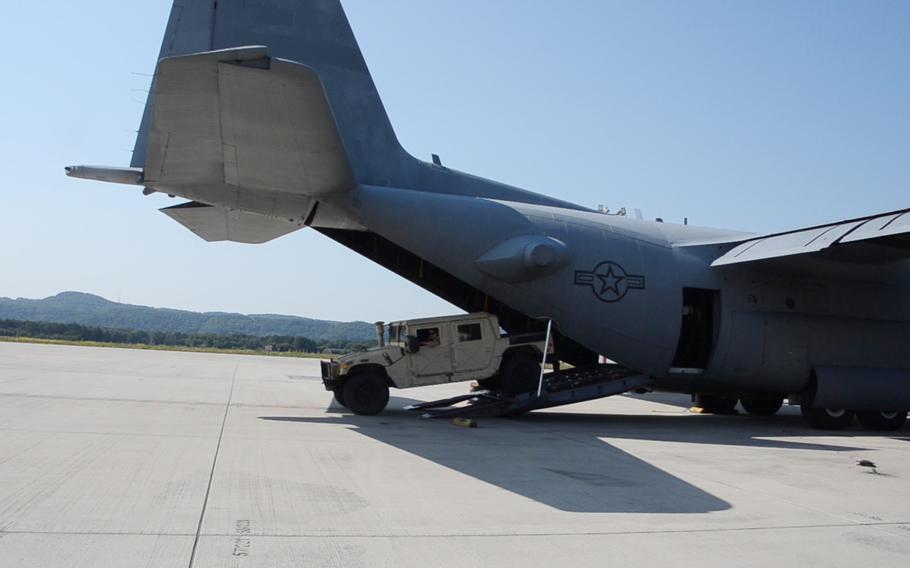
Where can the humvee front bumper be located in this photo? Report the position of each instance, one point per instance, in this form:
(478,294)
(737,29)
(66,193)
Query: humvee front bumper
(329,375)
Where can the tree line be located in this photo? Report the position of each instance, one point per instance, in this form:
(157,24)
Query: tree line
(77,332)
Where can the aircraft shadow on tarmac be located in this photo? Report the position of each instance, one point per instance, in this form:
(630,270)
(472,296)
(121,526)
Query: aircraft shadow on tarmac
(561,460)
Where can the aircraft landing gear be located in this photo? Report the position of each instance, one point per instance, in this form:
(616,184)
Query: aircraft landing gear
(882,420)
(713,404)
(826,418)
(838,419)
(762,406)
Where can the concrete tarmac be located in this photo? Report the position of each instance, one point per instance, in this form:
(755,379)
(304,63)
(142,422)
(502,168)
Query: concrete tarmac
(115,457)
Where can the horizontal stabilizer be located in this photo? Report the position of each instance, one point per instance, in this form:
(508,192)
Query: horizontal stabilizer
(214,223)
(878,238)
(130,176)
(241,119)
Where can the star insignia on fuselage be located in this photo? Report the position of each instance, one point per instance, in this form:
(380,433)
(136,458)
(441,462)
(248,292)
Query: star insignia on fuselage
(609,281)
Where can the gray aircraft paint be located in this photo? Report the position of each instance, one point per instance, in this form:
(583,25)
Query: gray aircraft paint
(317,34)
(783,306)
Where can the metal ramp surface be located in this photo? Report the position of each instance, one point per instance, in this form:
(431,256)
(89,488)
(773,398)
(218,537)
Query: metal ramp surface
(576,385)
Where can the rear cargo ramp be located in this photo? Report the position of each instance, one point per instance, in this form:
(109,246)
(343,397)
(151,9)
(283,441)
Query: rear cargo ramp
(559,389)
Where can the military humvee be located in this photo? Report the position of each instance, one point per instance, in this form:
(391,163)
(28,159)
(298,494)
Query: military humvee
(431,351)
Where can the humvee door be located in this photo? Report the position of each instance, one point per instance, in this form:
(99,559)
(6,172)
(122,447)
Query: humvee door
(434,355)
(472,345)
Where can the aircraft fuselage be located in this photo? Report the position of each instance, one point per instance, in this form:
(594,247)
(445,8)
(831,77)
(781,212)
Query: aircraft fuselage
(633,290)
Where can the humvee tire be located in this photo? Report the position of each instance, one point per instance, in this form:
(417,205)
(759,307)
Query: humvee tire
(366,393)
(339,395)
(520,372)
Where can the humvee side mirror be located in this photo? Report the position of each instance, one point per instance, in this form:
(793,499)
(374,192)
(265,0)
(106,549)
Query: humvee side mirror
(413,344)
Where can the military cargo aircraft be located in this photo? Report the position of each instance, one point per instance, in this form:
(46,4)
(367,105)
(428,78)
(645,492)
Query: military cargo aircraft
(263,115)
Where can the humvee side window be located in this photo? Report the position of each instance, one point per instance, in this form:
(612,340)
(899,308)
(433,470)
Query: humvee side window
(428,336)
(469,332)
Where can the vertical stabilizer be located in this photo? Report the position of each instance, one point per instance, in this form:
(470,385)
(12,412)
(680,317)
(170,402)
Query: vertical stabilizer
(315,33)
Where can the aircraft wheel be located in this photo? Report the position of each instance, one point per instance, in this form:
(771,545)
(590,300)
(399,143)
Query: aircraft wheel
(715,404)
(366,393)
(339,395)
(762,406)
(826,418)
(881,420)
(520,373)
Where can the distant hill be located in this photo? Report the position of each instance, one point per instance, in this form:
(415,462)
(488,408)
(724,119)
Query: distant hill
(88,309)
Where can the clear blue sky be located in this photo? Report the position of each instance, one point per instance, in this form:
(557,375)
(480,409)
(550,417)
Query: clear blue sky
(749,115)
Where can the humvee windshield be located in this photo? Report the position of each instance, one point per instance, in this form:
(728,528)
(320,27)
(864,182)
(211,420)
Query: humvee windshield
(395,331)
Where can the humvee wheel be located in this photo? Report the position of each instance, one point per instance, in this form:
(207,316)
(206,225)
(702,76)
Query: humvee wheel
(366,393)
(762,406)
(881,420)
(339,395)
(520,373)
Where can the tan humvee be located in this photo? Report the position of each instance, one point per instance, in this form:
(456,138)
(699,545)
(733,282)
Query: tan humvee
(431,351)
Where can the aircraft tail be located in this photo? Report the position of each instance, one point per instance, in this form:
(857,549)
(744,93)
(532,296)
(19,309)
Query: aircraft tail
(215,112)
(315,33)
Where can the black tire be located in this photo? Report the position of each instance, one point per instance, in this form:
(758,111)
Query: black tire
(516,414)
(762,406)
(826,418)
(366,393)
(520,373)
(714,404)
(881,420)
(339,395)
(490,383)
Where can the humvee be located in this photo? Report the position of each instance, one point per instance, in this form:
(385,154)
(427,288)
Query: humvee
(432,351)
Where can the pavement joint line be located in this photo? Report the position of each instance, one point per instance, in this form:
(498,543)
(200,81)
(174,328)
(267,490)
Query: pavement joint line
(96,433)
(872,524)
(833,514)
(779,499)
(256,380)
(790,502)
(208,489)
(102,399)
(145,401)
